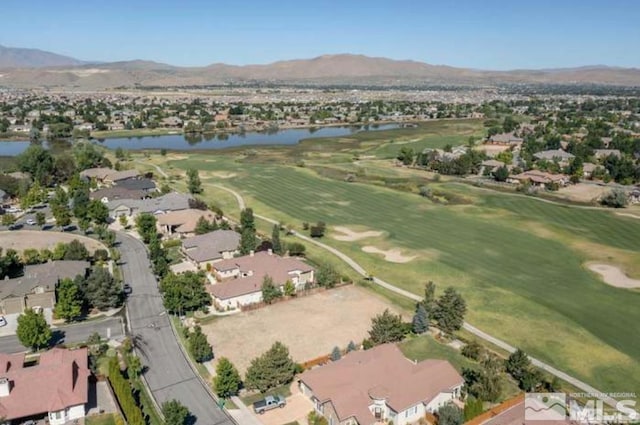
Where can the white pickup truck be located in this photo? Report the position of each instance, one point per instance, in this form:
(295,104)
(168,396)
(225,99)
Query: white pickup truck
(268,403)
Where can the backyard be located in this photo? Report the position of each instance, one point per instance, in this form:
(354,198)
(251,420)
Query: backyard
(310,326)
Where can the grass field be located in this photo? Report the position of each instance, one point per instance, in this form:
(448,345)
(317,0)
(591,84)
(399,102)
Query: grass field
(505,253)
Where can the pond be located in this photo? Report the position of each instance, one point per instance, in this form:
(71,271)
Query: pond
(181,142)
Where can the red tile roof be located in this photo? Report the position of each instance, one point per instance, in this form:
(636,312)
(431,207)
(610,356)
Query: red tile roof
(59,381)
(383,372)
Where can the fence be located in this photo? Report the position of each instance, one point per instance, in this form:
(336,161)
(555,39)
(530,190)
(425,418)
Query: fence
(299,294)
(495,411)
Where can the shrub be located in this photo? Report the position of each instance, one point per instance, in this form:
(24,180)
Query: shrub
(615,198)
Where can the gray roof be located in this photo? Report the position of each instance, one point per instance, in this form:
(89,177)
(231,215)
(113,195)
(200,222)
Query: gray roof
(554,153)
(173,201)
(136,184)
(45,275)
(116,192)
(210,245)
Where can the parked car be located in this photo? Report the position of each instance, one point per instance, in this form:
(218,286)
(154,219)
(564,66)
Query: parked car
(15,226)
(69,228)
(268,403)
(31,222)
(3,321)
(126,288)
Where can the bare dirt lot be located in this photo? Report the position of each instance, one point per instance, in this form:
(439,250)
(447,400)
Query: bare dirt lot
(310,326)
(583,192)
(25,239)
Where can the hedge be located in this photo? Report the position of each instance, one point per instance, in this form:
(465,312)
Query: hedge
(122,389)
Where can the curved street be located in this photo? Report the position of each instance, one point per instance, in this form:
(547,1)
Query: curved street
(168,373)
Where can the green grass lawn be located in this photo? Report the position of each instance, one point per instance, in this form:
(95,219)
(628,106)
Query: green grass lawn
(426,347)
(105,419)
(529,290)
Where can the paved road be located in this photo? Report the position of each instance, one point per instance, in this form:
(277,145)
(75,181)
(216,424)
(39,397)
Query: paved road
(111,327)
(358,268)
(169,374)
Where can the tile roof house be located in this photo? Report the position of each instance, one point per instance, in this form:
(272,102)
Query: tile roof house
(539,178)
(553,155)
(380,385)
(240,279)
(57,387)
(505,139)
(211,247)
(182,223)
(36,288)
(173,201)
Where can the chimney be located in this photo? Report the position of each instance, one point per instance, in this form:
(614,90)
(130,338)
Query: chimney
(270,251)
(5,387)
(251,253)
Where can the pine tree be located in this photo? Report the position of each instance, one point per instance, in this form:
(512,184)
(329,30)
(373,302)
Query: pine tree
(386,327)
(193,183)
(269,291)
(276,245)
(450,310)
(336,354)
(429,301)
(420,322)
(273,368)
(351,347)
(199,346)
(69,300)
(227,380)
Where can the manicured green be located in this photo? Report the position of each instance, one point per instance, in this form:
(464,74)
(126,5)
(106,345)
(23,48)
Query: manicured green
(511,278)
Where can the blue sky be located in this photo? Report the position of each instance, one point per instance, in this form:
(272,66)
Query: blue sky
(486,34)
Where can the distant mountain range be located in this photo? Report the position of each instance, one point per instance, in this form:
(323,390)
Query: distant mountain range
(29,68)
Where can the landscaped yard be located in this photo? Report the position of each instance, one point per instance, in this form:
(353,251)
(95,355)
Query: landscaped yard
(310,326)
(106,419)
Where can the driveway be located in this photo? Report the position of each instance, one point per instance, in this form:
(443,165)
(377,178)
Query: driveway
(297,408)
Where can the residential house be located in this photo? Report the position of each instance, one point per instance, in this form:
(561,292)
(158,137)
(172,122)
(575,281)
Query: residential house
(206,249)
(182,223)
(604,153)
(587,169)
(116,177)
(173,201)
(56,389)
(116,192)
(37,287)
(380,385)
(558,155)
(539,178)
(634,195)
(492,165)
(143,184)
(506,139)
(98,174)
(240,279)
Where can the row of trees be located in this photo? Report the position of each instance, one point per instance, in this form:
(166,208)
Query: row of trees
(98,290)
(183,293)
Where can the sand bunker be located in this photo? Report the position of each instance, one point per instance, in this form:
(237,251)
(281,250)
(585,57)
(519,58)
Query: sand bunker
(629,215)
(349,235)
(613,276)
(222,174)
(392,255)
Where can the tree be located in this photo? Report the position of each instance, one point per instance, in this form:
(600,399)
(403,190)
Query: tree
(420,322)
(199,347)
(351,347)
(204,226)
(8,219)
(62,215)
(289,288)
(174,413)
(276,244)
(429,301)
(146,225)
(227,380)
(248,239)
(501,174)
(336,354)
(81,203)
(472,408)
(450,414)
(318,230)
(296,249)
(450,310)
(120,155)
(98,212)
(472,350)
(406,156)
(386,327)
(39,162)
(517,364)
(33,330)
(615,198)
(134,366)
(88,156)
(271,369)
(76,251)
(485,383)
(100,289)
(269,291)
(124,221)
(193,183)
(327,276)
(68,300)
(35,195)
(40,218)
(184,292)
(31,256)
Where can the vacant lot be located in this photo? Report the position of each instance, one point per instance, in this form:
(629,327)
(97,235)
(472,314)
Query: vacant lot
(25,239)
(310,326)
